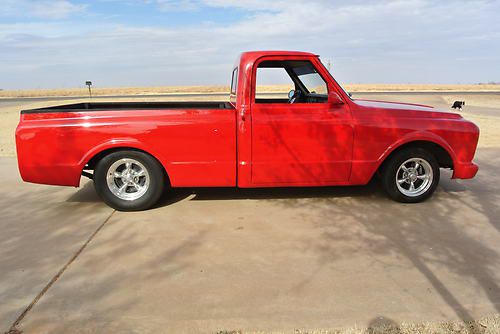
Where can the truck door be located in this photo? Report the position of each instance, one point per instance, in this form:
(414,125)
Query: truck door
(303,135)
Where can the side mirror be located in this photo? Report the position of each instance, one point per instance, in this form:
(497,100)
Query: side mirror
(334,98)
(291,94)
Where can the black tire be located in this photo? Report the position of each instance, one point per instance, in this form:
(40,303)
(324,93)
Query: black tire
(391,168)
(156,184)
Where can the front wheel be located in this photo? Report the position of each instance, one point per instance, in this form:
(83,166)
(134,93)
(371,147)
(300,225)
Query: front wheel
(411,175)
(129,180)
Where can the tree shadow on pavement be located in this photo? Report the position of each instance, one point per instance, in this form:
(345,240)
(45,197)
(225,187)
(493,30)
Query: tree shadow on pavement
(448,233)
(445,236)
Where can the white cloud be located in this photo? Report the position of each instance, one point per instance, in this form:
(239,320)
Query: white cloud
(384,41)
(176,5)
(44,9)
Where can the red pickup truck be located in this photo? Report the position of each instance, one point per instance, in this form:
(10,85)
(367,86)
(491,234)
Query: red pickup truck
(313,134)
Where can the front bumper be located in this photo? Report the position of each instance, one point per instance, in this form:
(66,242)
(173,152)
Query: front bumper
(465,170)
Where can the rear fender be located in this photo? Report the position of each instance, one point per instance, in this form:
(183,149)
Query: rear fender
(119,143)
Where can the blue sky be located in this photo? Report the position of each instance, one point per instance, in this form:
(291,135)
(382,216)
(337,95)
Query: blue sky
(62,43)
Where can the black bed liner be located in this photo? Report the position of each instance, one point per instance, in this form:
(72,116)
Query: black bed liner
(103,106)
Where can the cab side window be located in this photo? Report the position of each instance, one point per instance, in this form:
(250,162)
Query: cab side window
(272,85)
(234,81)
(289,82)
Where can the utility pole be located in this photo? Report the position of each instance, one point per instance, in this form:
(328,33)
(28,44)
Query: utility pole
(89,84)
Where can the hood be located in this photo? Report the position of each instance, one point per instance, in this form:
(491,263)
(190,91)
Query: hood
(411,108)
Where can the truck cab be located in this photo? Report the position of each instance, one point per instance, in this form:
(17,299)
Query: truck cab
(302,137)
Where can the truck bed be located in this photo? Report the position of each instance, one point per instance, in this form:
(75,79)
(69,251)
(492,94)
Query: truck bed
(195,142)
(103,106)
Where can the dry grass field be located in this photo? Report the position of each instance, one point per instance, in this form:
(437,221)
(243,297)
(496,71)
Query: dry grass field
(97,91)
(421,88)
(112,91)
(485,325)
(489,123)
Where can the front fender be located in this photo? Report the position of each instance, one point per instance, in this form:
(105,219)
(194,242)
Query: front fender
(362,171)
(414,137)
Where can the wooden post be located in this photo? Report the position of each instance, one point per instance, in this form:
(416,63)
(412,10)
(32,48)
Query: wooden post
(89,84)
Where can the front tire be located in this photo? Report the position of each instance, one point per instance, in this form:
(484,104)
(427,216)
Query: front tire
(129,180)
(411,175)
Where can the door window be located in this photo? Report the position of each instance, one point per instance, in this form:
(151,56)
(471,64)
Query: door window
(289,82)
(273,84)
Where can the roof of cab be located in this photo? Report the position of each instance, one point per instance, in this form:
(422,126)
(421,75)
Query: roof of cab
(254,55)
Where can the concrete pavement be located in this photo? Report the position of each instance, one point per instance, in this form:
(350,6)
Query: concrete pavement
(252,260)
(40,226)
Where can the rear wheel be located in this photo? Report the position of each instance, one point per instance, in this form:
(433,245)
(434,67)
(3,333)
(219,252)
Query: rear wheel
(129,180)
(411,175)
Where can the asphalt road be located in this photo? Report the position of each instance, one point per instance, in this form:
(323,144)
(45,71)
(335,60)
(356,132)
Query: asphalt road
(223,96)
(227,259)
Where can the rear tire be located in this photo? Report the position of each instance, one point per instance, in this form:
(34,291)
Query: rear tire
(129,180)
(411,175)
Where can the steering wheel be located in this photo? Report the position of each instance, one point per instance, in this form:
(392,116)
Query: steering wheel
(292,98)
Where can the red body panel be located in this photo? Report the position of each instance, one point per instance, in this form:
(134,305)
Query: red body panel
(252,145)
(381,127)
(305,144)
(196,147)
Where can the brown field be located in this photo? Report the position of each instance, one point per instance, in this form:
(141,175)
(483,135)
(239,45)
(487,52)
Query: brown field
(421,88)
(489,123)
(97,91)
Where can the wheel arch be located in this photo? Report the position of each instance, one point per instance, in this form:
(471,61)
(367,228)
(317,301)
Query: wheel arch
(93,158)
(442,153)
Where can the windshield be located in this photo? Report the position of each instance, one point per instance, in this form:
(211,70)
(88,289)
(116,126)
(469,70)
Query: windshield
(311,79)
(338,84)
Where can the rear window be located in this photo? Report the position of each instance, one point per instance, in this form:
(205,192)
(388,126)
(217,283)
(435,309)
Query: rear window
(234,81)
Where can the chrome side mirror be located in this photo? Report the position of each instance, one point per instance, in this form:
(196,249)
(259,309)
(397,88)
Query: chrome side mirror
(291,94)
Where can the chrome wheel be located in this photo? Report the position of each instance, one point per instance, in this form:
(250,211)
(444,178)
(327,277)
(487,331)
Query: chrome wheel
(128,179)
(414,177)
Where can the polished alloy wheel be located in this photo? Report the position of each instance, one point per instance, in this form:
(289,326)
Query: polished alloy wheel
(414,177)
(128,179)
